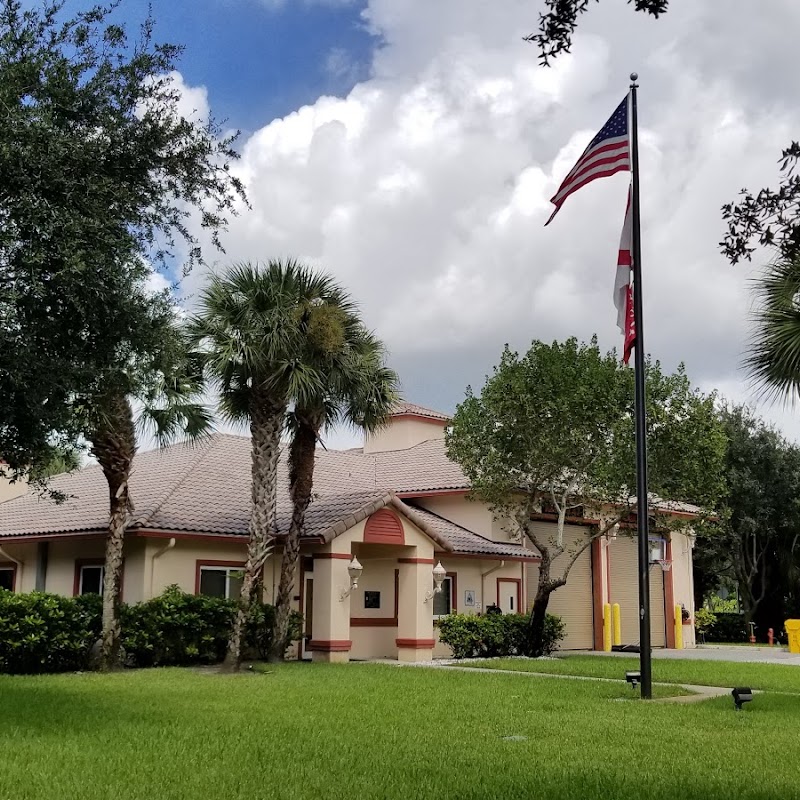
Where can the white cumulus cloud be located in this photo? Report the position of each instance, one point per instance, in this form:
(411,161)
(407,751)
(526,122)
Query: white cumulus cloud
(425,190)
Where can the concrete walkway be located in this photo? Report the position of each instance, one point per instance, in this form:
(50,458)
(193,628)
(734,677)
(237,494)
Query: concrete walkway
(717,652)
(698,692)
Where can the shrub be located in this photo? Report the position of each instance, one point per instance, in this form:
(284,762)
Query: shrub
(728,628)
(176,629)
(49,633)
(496,635)
(180,629)
(46,632)
(704,620)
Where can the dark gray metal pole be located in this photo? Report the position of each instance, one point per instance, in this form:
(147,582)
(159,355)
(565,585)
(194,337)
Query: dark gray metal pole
(642,527)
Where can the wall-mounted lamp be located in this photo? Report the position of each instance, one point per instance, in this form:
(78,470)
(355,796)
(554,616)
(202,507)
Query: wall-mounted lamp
(612,532)
(439,574)
(354,570)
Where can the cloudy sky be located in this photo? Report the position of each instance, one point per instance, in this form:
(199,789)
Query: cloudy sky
(410,147)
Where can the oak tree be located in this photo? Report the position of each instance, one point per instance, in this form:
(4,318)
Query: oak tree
(556,426)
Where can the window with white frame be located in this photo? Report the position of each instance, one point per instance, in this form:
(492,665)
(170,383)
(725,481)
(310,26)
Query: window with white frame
(221,581)
(443,601)
(90,579)
(7,575)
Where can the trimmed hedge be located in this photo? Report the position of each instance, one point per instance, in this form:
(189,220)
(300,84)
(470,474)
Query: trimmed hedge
(496,635)
(49,633)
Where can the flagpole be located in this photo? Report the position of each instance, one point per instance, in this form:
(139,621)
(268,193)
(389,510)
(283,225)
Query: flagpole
(642,515)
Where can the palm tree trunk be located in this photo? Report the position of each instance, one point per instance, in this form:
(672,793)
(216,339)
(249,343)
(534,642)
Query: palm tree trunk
(301,483)
(114,446)
(266,423)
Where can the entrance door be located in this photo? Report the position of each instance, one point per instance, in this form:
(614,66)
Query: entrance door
(308,615)
(508,595)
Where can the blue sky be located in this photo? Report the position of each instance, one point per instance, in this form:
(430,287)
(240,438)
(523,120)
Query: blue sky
(262,59)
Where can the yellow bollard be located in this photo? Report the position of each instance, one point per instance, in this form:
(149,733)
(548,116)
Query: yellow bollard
(617,623)
(678,628)
(607,628)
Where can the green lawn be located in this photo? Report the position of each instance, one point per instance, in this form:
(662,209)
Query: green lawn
(772,677)
(372,731)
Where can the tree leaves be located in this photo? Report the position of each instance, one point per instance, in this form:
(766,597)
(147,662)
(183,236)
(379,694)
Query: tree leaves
(770,218)
(558,24)
(559,421)
(759,512)
(99,175)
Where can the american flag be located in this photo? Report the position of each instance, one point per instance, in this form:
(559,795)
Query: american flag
(623,292)
(607,154)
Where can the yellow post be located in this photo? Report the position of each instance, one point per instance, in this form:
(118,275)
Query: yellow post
(678,628)
(793,632)
(607,628)
(617,624)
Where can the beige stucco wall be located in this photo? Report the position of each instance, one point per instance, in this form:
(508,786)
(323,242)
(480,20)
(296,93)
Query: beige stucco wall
(402,433)
(378,576)
(470,514)
(371,643)
(473,515)
(10,490)
(61,563)
(178,565)
(683,580)
(24,552)
(63,555)
(376,641)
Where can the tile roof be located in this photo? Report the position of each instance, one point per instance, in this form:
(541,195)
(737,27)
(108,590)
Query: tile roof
(424,467)
(465,541)
(205,488)
(402,408)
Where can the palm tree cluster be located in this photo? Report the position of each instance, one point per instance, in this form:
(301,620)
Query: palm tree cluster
(284,348)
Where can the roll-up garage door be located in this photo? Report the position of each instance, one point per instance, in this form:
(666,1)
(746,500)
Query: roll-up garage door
(623,558)
(572,602)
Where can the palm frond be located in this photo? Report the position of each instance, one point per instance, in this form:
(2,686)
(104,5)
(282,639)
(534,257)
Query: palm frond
(773,357)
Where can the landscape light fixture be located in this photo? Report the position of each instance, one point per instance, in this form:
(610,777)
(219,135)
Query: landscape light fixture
(439,574)
(633,678)
(354,570)
(741,695)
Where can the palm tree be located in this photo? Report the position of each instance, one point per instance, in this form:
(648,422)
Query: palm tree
(773,359)
(359,390)
(155,370)
(255,327)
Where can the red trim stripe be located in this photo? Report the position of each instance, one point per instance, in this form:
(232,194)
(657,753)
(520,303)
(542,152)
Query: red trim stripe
(322,556)
(330,645)
(416,644)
